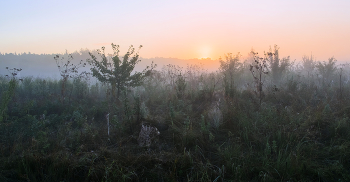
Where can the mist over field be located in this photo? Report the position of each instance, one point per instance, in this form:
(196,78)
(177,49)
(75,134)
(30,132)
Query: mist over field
(44,65)
(211,90)
(119,118)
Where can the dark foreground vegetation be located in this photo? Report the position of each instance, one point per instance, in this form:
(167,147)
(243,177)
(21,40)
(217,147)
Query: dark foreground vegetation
(261,119)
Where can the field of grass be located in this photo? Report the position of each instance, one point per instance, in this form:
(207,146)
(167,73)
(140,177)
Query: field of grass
(278,124)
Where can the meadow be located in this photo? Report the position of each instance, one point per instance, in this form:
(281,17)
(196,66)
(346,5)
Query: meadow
(265,118)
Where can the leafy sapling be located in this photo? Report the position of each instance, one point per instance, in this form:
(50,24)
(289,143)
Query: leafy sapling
(118,71)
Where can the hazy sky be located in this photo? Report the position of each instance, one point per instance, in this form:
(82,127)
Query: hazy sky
(182,29)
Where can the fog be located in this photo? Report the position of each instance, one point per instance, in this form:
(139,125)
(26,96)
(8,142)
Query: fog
(291,115)
(44,65)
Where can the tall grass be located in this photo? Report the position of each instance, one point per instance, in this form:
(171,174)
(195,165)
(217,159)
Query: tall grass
(296,131)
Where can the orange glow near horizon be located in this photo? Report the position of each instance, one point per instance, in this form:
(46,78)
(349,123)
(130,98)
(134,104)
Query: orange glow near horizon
(180,29)
(204,52)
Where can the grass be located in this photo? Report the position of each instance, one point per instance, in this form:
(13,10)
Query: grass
(299,132)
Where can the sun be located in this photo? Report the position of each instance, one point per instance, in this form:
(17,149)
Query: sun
(204,52)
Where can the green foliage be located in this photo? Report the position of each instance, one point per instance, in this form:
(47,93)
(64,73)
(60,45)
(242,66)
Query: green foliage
(172,113)
(78,118)
(118,72)
(298,131)
(277,66)
(231,69)
(6,98)
(308,64)
(180,86)
(204,126)
(326,69)
(128,112)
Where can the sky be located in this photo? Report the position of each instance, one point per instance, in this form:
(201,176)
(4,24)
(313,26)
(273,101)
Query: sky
(179,29)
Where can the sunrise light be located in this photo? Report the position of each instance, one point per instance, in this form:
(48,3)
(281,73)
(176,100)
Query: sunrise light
(220,90)
(178,29)
(204,52)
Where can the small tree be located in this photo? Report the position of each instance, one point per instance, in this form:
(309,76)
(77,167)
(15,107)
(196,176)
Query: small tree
(277,65)
(326,69)
(308,64)
(116,71)
(230,68)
